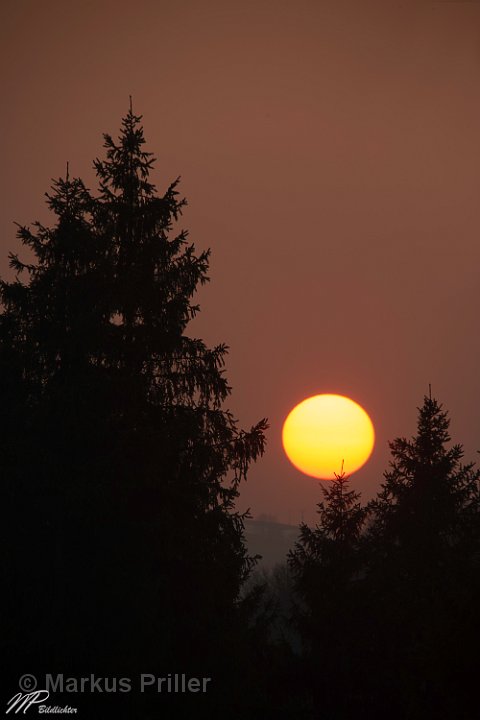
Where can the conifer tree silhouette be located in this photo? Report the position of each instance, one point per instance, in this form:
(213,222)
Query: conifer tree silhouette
(126,464)
(429,500)
(423,575)
(326,564)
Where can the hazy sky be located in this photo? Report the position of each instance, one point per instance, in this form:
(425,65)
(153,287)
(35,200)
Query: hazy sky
(330,154)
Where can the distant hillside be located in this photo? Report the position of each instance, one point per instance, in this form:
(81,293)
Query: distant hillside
(271,540)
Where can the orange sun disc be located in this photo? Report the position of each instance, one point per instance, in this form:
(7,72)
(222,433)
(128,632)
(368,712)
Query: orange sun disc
(325,430)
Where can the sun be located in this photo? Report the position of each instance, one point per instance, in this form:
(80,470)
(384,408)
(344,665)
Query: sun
(325,430)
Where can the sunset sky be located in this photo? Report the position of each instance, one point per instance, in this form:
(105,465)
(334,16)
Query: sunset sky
(330,155)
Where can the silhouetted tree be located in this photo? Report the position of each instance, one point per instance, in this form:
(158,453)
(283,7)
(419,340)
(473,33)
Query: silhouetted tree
(326,564)
(429,499)
(125,465)
(423,576)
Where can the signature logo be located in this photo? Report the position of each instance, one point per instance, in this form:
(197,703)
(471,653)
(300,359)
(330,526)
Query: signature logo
(23,701)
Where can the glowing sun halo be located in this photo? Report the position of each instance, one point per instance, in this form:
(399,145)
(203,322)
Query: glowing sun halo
(322,431)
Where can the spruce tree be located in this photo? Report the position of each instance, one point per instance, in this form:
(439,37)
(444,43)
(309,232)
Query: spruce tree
(130,463)
(429,499)
(327,565)
(423,575)
(329,549)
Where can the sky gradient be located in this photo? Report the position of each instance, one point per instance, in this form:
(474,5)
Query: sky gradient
(330,155)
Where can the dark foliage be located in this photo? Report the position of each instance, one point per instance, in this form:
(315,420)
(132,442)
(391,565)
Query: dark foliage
(326,564)
(387,595)
(121,464)
(424,571)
